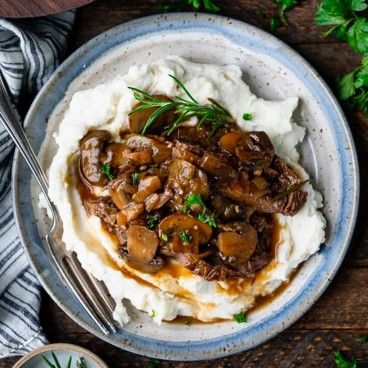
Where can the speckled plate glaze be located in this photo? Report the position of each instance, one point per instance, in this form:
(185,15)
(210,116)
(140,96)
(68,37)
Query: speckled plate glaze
(273,71)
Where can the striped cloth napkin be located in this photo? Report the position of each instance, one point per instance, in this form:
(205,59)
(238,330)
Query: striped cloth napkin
(29,52)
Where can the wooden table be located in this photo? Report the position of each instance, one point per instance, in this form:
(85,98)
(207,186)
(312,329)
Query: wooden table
(341,314)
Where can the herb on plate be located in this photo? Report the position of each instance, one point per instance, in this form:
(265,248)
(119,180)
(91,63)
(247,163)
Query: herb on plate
(363,338)
(135,178)
(152,222)
(180,5)
(197,200)
(284,6)
(107,171)
(152,314)
(164,237)
(185,108)
(240,317)
(184,237)
(247,116)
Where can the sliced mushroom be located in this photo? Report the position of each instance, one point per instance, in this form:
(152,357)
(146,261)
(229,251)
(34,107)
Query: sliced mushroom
(116,154)
(229,142)
(138,120)
(129,213)
(118,194)
(197,231)
(90,161)
(186,152)
(141,243)
(238,247)
(152,267)
(160,151)
(156,201)
(146,187)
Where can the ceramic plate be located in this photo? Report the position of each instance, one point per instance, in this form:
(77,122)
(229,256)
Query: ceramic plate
(273,71)
(63,353)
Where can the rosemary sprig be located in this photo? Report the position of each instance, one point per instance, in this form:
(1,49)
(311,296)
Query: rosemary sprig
(185,108)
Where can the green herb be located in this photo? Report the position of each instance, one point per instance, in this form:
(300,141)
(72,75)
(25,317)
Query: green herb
(284,6)
(153,363)
(184,237)
(342,362)
(363,338)
(212,113)
(193,199)
(209,219)
(152,222)
(349,22)
(135,178)
(152,314)
(240,317)
(107,170)
(275,23)
(180,5)
(292,188)
(164,237)
(247,116)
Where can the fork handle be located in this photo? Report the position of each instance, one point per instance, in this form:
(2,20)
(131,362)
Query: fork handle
(11,121)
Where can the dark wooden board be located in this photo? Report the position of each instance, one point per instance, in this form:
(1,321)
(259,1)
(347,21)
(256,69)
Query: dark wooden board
(341,314)
(36,8)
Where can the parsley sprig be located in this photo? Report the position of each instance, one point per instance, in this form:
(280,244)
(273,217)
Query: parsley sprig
(196,199)
(240,317)
(349,22)
(342,362)
(284,6)
(185,108)
(107,171)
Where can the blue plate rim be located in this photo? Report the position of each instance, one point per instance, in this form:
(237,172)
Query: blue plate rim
(217,347)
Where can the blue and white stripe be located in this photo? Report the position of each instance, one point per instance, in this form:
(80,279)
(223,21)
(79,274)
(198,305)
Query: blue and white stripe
(30,50)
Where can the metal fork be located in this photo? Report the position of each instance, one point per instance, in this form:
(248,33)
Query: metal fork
(90,292)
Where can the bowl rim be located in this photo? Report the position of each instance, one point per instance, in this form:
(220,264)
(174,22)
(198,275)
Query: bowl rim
(60,346)
(175,351)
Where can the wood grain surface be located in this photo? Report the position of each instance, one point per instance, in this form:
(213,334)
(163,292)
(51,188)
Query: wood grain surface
(36,8)
(341,314)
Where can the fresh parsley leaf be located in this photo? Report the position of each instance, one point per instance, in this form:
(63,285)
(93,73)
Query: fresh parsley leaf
(193,199)
(274,23)
(152,222)
(359,5)
(184,237)
(247,116)
(107,171)
(153,363)
(357,35)
(135,178)
(346,85)
(342,362)
(285,5)
(363,338)
(152,314)
(240,317)
(209,219)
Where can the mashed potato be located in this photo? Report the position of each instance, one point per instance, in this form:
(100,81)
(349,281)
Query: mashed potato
(175,290)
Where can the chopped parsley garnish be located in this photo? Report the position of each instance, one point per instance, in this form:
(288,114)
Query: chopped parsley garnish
(240,317)
(107,171)
(152,222)
(208,219)
(153,363)
(135,178)
(184,237)
(247,116)
(164,237)
(193,199)
(152,314)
